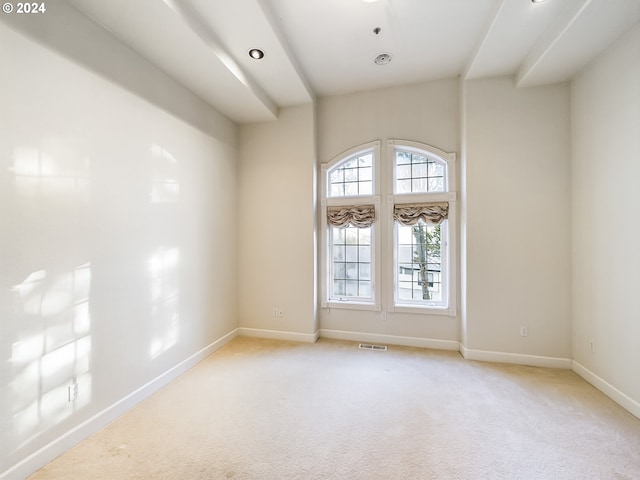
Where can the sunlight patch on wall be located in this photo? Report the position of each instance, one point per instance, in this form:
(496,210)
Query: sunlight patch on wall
(49,173)
(164,184)
(52,350)
(164,286)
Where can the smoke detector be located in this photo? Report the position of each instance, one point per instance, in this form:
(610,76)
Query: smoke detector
(383,59)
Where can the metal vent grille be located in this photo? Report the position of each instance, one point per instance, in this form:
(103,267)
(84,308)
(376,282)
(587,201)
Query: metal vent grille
(367,346)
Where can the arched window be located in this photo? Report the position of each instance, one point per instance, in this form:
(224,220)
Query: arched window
(422,206)
(408,237)
(350,207)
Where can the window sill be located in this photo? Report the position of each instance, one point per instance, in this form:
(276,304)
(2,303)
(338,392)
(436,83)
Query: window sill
(426,310)
(351,305)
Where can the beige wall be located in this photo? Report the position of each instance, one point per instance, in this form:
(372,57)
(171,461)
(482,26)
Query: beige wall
(606,207)
(517,175)
(276,225)
(117,239)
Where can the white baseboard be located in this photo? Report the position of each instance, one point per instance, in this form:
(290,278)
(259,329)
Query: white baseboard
(622,399)
(278,335)
(391,339)
(69,439)
(515,358)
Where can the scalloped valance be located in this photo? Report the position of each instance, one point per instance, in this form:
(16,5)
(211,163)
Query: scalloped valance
(360,216)
(411,213)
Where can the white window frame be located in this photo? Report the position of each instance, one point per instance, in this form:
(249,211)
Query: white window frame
(449,233)
(325,252)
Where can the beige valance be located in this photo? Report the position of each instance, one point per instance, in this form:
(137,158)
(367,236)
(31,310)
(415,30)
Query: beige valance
(360,216)
(411,213)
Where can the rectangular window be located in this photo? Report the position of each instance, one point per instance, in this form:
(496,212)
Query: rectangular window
(419,262)
(351,266)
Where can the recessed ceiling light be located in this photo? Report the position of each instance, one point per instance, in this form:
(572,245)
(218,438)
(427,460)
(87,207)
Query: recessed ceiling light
(256,53)
(537,1)
(383,59)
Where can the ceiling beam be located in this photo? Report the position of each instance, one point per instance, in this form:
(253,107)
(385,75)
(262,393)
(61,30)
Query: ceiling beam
(273,23)
(211,40)
(548,41)
(495,14)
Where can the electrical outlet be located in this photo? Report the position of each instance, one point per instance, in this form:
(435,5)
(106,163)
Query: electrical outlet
(592,345)
(277,313)
(524,331)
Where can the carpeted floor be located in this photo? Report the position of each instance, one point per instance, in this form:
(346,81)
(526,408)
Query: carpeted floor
(262,409)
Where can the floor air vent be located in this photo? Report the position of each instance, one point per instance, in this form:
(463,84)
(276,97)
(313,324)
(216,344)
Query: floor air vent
(367,346)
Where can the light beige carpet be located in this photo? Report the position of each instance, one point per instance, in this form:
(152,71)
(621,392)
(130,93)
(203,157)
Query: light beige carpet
(261,409)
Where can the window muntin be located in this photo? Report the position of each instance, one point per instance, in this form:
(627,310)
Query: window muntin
(417,172)
(352,177)
(352,264)
(420,276)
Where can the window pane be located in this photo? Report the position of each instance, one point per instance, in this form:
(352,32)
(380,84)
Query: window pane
(339,287)
(366,188)
(338,253)
(350,174)
(352,271)
(420,170)
(338,235)
(415,158)
(366,160)
(339,271)
(419,185)
(352,235)
(337,190)
(364,271)
(365,289)
(436,169)
(403,186)
(352,288)
(364,236)
(337,176)
(352,253)
(351,188)
(402,158)
(350,164)
(366,173)
(405,253)
(403,171)
(405,291)
(436,184)
(364,253)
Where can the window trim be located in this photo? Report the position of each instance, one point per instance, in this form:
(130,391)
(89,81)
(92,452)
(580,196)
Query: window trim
(450,195)
(325,201)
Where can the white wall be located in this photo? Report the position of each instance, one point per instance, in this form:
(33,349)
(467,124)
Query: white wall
(605,118)
(276,226)
(517,176)
(117,236)
(426,113)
